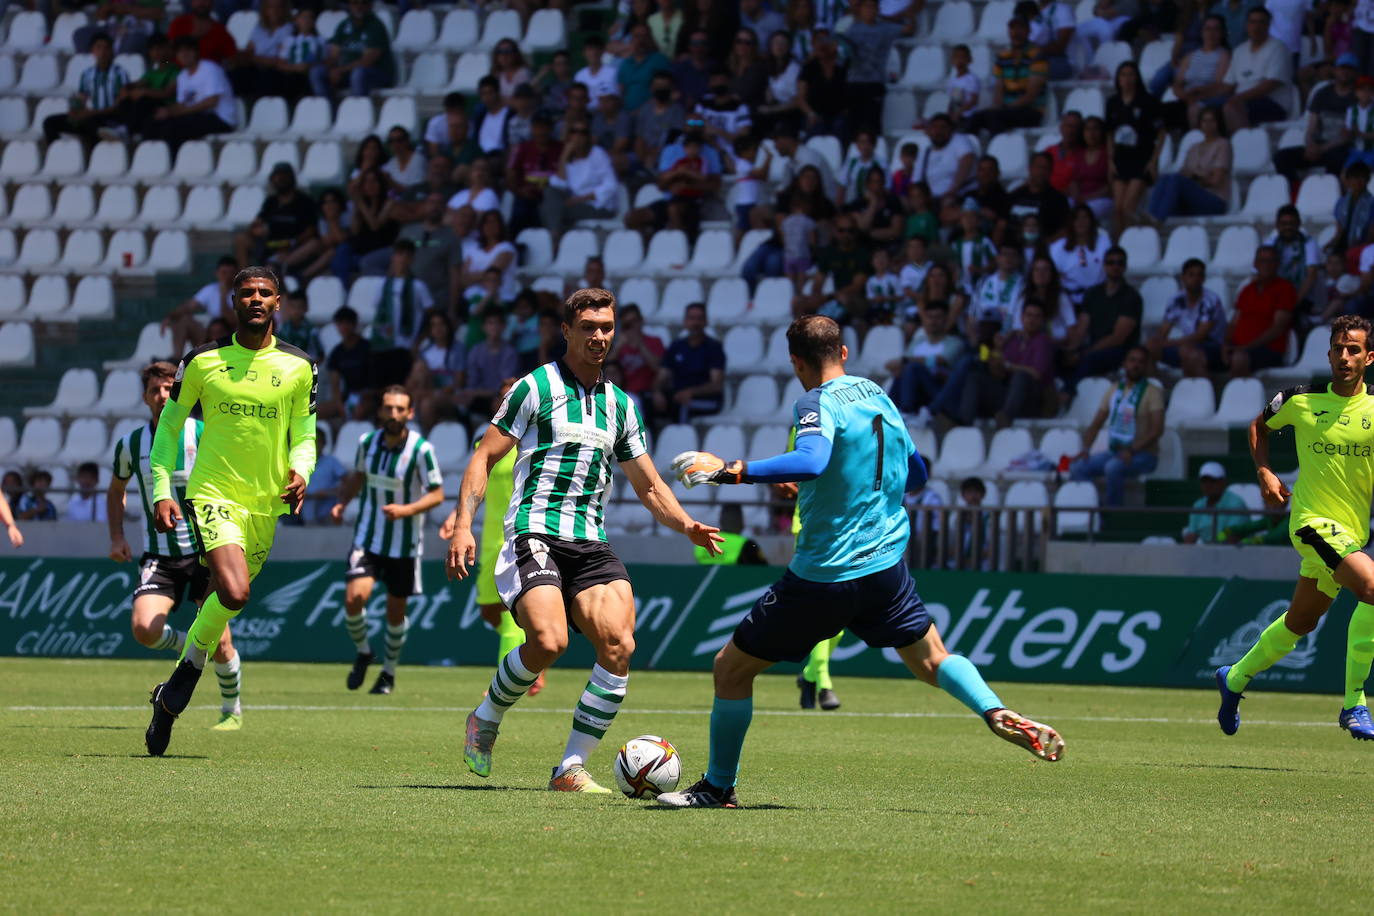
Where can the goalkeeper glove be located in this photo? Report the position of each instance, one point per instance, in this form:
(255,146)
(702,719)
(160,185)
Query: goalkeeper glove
(694,468)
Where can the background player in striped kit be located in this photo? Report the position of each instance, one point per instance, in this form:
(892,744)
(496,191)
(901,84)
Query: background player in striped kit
(400,481)
(555,567)
(170,571)
(500,488)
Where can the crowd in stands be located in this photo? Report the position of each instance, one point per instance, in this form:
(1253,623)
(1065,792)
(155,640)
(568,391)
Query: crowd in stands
(1009,293)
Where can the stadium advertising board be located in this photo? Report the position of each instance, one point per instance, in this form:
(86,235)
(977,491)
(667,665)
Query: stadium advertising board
(1015,627)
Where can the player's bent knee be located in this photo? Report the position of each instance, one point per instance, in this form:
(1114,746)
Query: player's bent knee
(145,634)
(233,597)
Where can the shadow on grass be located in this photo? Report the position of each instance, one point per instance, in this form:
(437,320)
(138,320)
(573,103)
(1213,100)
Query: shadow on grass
(482,787)
(143,756)
(112,728)
(658,808)
(1223,766)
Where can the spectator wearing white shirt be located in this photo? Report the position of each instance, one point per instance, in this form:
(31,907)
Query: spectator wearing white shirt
(584,186)
(213,300)
(1079,255)
(1052,29)
(963,86)
(490,128)
(253,71)
(87,504)
(725,115)
(947,164)
(599,74)
(204,105)
(1289,16)
(1260,67)
(479,194)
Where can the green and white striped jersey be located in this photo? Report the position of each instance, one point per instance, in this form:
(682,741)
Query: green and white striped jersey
(101,87)
(131,460)
(399,476)
(568,434)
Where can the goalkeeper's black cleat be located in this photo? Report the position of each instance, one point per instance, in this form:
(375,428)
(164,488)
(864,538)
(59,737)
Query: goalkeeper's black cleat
(359,672)
(701,795)
(808,692)
(385,683)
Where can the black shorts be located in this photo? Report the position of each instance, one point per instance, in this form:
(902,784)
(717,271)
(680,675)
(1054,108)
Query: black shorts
(400,575)
(530,560)
(178,578)
(881,608)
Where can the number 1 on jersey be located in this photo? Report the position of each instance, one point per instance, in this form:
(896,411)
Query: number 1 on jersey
(878,470)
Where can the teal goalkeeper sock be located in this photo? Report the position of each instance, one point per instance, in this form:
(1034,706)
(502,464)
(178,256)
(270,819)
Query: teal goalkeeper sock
(960,678)
(729,723)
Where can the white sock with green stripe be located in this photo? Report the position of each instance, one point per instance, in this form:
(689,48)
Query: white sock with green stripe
(229,682)
(509,684)
(395,642)
(171,639)
(594,714)
(357,631)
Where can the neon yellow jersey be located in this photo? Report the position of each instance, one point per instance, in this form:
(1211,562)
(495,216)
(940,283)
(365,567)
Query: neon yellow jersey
(259,408)
(1335,440)
(500,489)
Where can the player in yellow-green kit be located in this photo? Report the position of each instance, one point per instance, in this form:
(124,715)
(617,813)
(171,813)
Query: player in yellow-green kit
(256,454)
(1328,522)
(500,489)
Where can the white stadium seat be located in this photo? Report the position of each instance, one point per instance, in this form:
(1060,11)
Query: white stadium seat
(151,161)
(954,23)
(41,438)
(171,252)
(1026,493)
(451,446)
(1075,495)
(925,68)
(16,344)
(346,447)
(363,296)
(32,204)
(311,119)
(622,252)
(1241,401)
(728,301)
(323,163)
(76,388)
(883,344)
(204,206)
(416,32)
(93,298)
(48,298)
(1141,244)
(75,205)
(28,32)
(1087,400)
(324,295)
(1317,197)
(713,253)
(500,25)
(640,291)
(667,252)
(12,296)
(743,348)
(1185,242)
(756,398)
(671,441)
(677,295)
(19,160)
(153,343)
(161,205)
(470,67)
(992,26)
(772,302)
(1235,252)
(65,159)
(962,452)
(1192,401)
(460,30)
(127,250)
(39,249)
(573,250)
(1007,445)
(39,75)
(86,440)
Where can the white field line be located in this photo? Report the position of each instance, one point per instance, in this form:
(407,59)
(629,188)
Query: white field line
(1129,720)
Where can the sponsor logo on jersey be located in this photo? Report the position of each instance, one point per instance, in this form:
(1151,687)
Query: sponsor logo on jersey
(248,409)
(1343,450)
(809,418)
(276,379)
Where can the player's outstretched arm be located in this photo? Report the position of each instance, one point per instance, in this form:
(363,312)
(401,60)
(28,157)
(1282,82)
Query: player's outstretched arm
(419,507)
(348,489)
(1271,488)
(462,547)
(658,498)
(805,462)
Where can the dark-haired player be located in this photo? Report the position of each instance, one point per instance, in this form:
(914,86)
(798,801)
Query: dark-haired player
(1328,520)
(256,454)
(853,462)
(556,567)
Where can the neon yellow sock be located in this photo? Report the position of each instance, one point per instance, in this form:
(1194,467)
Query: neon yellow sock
(1359,653)
(818,663)
(203,637)
(1274,643)
(509,633)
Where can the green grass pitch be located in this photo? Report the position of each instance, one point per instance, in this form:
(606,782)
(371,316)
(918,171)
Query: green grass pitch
(902,801)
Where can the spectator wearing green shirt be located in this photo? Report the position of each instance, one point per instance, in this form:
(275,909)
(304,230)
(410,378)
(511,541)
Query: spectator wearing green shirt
(637,71)
(358,55)
(1202,525)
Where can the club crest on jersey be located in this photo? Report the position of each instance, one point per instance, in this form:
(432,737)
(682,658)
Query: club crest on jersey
(1364,422)
(539,551)
(1343,420)
(252,375)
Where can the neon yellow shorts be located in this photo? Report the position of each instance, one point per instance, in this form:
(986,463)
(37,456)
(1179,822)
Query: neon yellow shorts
(216,524)
(486,571)
(1323,544)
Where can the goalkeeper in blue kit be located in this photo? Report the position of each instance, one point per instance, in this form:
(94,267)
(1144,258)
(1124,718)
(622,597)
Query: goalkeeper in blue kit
(853,461)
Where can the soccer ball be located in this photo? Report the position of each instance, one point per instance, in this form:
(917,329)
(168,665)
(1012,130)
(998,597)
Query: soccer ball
(647,766)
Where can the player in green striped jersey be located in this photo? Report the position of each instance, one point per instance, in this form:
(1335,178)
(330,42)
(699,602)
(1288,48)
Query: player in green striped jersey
(399,477)
(169,570)
(556,567)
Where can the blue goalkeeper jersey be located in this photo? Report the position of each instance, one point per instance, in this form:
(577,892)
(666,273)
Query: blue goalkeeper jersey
(852,519)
